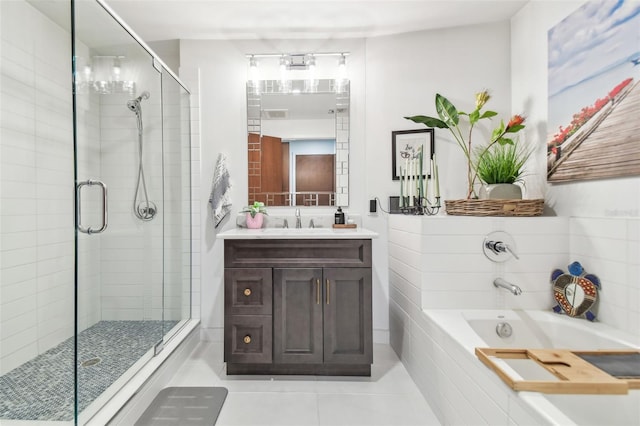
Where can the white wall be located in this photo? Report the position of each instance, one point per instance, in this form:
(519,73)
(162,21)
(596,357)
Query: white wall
(604,237)
(396,76)
(402,75)
(598,198)
(223,67)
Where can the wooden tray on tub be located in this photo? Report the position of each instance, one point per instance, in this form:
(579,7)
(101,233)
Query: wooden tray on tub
(577,372)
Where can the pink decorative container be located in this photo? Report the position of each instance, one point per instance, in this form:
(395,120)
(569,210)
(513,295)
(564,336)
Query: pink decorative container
(255,222)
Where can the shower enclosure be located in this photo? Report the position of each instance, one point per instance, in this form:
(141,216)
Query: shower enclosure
(95,244)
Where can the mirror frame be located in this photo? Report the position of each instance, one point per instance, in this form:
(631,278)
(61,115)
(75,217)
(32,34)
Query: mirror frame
(341,88)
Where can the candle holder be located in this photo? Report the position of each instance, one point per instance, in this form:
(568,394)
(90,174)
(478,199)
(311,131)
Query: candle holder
(421,206)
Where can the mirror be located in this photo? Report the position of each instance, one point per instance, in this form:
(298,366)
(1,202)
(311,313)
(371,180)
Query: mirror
(298,142)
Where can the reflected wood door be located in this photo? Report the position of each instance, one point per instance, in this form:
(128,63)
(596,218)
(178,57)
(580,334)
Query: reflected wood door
(315,173)
(271,165)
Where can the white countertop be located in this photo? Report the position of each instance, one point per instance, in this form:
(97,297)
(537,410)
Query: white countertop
(300,233)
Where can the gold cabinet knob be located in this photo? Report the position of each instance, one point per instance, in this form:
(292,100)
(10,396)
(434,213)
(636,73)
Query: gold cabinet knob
(247,292)
(247,339)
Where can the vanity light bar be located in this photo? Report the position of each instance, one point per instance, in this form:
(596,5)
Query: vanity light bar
(297,61)
(278,55)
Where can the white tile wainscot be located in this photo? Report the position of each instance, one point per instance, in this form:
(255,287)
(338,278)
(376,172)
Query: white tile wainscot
(438,263)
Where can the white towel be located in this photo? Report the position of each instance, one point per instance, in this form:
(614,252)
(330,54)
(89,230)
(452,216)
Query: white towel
(219,199)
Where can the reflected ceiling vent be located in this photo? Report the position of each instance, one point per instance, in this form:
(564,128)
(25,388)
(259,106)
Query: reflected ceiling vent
(275,114)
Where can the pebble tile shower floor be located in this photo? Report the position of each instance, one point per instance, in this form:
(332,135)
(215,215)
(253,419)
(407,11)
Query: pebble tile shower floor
(42,388)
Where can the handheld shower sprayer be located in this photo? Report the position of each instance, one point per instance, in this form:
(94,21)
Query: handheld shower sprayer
(146,209)
(134,104)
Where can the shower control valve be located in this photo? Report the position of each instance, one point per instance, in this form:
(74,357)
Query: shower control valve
(499,246)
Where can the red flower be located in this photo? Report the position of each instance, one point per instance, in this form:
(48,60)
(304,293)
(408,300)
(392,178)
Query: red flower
(516,120)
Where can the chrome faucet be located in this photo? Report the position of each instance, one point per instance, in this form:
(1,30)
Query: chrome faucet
(298,219)
(499,247)
(500,283)
(312,223)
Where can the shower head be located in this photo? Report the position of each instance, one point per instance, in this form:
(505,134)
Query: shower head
(134,104)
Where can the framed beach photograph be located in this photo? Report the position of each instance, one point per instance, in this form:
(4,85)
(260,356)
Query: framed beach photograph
(594,92)
(405,145)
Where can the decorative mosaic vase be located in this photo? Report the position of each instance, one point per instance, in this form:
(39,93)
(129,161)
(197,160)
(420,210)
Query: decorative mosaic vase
(255,222)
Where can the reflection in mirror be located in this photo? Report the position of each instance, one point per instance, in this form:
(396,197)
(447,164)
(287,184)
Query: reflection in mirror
(298,142)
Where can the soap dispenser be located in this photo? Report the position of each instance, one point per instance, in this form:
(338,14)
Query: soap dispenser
(339,217)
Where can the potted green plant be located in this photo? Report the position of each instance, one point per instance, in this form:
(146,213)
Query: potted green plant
(499,168)
(255,214)
(449,118)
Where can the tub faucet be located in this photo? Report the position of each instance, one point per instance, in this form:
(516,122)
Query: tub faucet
(298,219)
(500,283)
(499,247)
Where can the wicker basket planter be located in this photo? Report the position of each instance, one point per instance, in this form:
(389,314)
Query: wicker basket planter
(494,207)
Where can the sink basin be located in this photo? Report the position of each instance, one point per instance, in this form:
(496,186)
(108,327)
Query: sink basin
(296,231)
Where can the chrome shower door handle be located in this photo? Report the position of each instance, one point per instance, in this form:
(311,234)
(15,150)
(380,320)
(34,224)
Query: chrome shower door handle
(79,187)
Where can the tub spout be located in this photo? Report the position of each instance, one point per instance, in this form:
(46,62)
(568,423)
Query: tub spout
(500,283)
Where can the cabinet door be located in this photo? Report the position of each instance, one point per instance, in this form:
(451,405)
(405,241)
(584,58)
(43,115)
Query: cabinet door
(297,315)
(347,316)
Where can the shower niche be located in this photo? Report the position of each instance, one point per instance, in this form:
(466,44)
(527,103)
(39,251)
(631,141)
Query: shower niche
(96,244)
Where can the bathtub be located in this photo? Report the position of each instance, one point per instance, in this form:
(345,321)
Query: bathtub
(533,329)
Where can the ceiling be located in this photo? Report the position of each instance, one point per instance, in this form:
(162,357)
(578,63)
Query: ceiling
(156,20)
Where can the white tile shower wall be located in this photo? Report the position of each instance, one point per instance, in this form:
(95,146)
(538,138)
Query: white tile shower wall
(609,248)
(36,197)
(132,249)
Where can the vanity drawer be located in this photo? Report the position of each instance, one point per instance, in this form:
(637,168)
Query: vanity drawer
(248,291)
(300,253)
(248,339)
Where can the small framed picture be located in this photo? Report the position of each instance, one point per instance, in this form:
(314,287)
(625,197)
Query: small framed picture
(405,145)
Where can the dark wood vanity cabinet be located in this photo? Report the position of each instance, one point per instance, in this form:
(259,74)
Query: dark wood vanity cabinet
(308,313)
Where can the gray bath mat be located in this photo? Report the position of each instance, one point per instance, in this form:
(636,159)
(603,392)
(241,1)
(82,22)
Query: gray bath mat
(184,406)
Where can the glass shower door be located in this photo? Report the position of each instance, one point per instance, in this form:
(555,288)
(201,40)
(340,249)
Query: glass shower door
(119,206)
(177,204)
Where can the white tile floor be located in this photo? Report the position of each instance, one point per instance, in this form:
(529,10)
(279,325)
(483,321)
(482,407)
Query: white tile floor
(388,397)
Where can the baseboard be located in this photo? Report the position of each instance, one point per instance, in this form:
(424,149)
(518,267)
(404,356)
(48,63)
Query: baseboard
(212,334)
(381,336)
